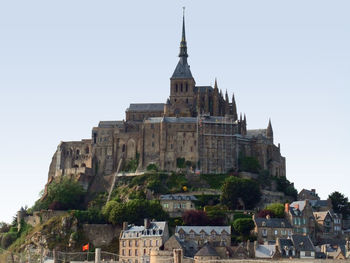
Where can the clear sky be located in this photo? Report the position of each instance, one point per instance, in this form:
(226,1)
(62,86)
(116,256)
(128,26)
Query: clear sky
(66,65)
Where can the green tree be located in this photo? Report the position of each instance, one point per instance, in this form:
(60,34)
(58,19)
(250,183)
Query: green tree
(283,185)
(235,188)
(133,211)
(243,226)
(63,195)
(340,203)
(277,209)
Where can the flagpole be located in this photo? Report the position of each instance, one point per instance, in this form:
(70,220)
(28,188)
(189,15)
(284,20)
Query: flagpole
(87,255)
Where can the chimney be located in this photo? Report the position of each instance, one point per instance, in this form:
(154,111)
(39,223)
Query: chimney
(286,208)
(313,191)
(125,225)
(146,223)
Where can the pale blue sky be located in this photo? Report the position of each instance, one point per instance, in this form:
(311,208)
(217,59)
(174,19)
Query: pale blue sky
(66,65)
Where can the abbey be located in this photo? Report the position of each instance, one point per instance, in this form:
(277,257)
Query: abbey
(197,125)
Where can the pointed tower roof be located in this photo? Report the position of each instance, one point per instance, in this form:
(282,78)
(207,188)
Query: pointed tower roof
(269,131)
(216,84)
(234,107)
(182,70)
(226,97)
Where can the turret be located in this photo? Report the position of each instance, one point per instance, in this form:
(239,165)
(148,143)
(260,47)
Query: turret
(227,104)
(216,99)
(269,131)
(234,108)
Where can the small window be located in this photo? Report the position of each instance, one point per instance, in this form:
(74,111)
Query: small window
(181,88)
(78,152)
(123,148)
(152,144)
(176,88)
(186,86)
(152,126)
(186,101)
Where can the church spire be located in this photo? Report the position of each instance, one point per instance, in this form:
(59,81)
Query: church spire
(183,44)
(182,70)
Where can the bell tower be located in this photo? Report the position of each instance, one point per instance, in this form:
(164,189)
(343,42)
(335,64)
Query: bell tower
(182,83)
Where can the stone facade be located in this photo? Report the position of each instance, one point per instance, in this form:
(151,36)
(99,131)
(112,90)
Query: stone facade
(301,217)
(270,229)
(197,123)
(137,242)
(175,205)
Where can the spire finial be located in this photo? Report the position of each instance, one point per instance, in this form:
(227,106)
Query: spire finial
(216,84)
(183,44)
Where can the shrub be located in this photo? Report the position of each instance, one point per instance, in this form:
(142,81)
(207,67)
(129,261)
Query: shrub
(152,167)
(243,226)
(180,162)
(277,209)
(215,180)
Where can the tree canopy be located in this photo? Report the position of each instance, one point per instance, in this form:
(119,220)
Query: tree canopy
(133,211)
(63,195)
(235,189)
(340,203)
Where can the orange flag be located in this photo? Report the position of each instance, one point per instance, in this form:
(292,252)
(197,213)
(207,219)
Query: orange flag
(86,247)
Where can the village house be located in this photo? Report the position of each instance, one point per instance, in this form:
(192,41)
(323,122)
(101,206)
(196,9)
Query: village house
(301,217)
(328,224)
(308,195)
(269,229)
(304,247)
(137,242)
(214,235)
(176,205)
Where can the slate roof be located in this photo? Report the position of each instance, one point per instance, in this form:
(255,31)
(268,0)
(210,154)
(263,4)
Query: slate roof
(155,229)
(265,251)
(110,124)
(172,120)
(207,229)
(203,89)
(178,197)
(272,222)
(300,203)
(142,107)
(302,243)
(182,70)
(256,133)
(285,242)
(207,251)
(318,203)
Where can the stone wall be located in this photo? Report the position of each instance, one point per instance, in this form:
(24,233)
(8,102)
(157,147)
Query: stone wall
(41,217)
(101,234)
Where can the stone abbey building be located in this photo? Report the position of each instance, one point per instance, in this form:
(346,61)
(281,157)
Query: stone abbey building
(197,124)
